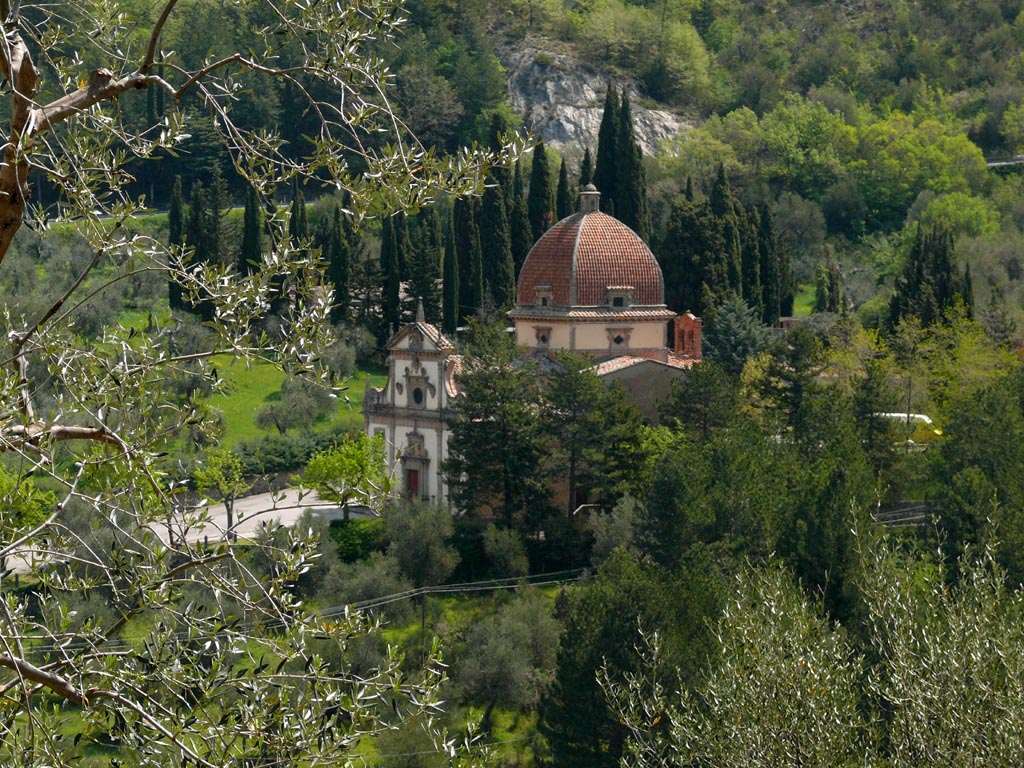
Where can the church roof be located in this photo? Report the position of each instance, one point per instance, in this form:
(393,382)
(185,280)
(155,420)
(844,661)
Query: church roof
(427,331)
(584,255)
(628,361)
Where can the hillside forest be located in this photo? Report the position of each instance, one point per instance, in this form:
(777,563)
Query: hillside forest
(813,558)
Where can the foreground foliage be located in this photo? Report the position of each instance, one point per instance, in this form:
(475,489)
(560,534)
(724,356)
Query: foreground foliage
(169,651)
(937,679)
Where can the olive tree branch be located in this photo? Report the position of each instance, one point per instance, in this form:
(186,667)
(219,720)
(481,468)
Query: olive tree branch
(63,687)
(154,36)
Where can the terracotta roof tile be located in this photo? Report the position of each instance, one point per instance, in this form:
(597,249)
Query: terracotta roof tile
(583,255)
(617,364)
(628,361)
(454,368)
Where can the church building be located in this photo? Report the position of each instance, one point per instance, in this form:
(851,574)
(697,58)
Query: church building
(589,285)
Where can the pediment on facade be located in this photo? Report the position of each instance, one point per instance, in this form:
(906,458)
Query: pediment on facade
(419,338)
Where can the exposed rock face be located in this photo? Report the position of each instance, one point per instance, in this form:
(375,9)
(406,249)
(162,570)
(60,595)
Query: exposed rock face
(562,101)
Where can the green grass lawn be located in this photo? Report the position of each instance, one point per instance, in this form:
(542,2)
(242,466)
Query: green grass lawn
(250,387)
(803,302)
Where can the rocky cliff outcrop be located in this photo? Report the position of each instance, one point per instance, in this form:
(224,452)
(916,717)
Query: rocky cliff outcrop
(562,100)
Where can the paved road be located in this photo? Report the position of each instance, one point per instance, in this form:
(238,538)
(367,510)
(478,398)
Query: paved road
(251,513)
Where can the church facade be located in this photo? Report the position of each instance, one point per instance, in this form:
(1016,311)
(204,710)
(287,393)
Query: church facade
(589,285)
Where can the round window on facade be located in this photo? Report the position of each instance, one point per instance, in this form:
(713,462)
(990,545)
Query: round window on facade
(417,396)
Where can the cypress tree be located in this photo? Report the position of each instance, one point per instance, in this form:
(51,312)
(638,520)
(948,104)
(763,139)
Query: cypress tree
(250,254)
(468,255)
(520,235)
(607,150)
(538,202)
(772,267)
(630,190)
(732,252)
(498,129)
(391,300)
(403,243)
(968,291)
(197,235)
(450,286)
(345,246)
(929,284)
(829,295)
(298,224)
(195,226)
(720,197)
(216,204)
(565,200)
(586,168)
(499,269)
(175,239)
(425,265)
(685,256)
(728,274)
(752,292)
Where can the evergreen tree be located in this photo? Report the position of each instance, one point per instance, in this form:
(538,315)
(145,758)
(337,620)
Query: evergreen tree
(829,294)
(195,226)
(202,232)
(366,289)
(216,204)
(601,621)
(539,203)
(630,189)
(727,275)
(968,291)
(298,223)
(175,239)
(607,150)
(776,272)
(586,169)
(345,248)
(750,258)
(929,284)
(403,243)
(595,434)
(499,269)
(251,254)
(451,280)
(496,445)
(425,266)
(520,234)
(735,333)
(391,300)
(498,129)
(565,198)
(692,257)
(469,258)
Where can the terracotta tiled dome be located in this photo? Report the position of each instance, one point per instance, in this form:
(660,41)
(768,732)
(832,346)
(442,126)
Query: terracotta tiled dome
(581,257)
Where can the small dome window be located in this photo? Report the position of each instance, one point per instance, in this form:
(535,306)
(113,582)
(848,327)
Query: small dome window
(619,296)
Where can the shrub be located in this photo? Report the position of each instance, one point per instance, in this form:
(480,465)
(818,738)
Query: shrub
(358,539)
